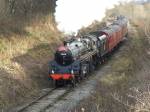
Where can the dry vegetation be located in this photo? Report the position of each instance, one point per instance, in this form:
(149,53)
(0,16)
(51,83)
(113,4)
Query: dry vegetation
(28,36)
(126,87)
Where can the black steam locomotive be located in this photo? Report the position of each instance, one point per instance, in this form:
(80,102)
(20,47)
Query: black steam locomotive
(79,56)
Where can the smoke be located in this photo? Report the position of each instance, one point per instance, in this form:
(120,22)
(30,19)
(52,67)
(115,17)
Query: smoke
(71,15)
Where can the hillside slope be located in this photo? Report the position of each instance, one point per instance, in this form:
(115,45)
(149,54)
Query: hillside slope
(28,37)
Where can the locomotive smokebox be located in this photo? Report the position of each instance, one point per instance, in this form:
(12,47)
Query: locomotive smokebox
(63,56)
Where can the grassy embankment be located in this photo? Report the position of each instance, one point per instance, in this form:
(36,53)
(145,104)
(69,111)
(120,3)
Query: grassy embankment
(125,87)
(28,37)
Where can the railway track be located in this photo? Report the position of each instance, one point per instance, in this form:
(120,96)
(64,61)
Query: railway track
(45,101)
(64,96)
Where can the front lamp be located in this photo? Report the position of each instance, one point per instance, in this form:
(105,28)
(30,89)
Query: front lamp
(72,72)
(53,72)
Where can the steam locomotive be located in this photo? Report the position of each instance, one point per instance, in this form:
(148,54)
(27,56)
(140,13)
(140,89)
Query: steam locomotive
(77,57)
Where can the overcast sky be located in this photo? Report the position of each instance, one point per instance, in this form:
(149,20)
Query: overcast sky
(71,15)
